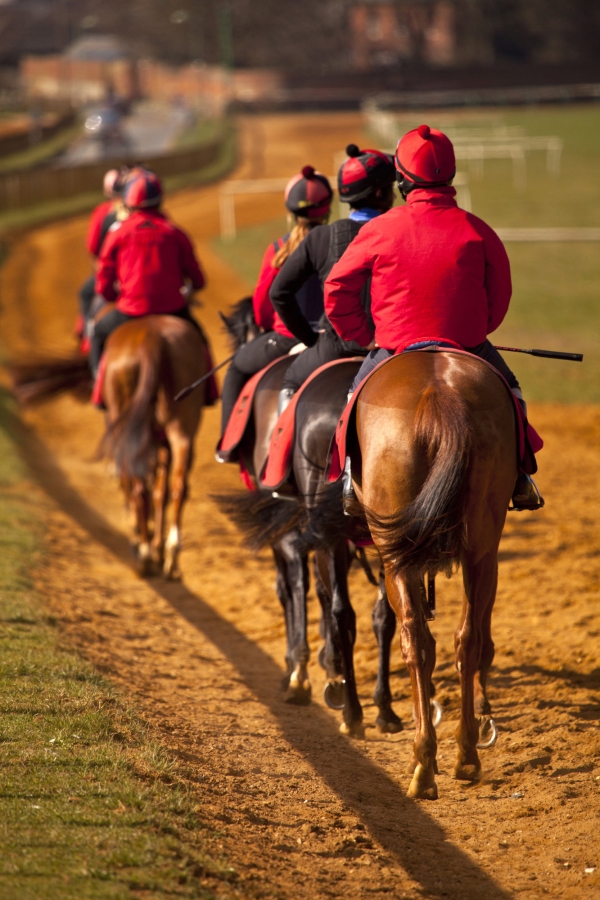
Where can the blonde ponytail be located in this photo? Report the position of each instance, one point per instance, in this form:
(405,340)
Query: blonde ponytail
(301,227)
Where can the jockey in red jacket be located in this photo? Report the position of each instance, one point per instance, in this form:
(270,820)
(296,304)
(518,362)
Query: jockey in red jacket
(308,198)
(149,257)
(438,274)
(104,216)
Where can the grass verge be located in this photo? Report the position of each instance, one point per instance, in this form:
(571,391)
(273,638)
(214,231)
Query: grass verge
(92,806)
(42,152)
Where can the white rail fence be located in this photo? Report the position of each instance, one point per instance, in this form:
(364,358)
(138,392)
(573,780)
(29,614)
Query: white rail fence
(476,144)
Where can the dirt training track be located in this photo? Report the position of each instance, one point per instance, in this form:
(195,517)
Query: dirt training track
(299,810)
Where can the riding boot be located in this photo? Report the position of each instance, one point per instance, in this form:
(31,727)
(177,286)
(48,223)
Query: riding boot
(349,498)
(283,401)
(526,494)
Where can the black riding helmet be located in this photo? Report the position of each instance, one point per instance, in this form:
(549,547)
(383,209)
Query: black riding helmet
(364,172)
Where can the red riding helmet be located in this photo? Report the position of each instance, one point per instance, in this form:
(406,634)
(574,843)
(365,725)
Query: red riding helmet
(308,194)
(142,190)
(363,173)
(424,158)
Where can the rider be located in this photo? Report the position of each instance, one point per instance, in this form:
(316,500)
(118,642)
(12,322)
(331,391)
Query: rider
(308,198)
(437,274)
(150,258)
(102,219)
(366,183)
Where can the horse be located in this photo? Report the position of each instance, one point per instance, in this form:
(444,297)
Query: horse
(149,436)
(433,469)
(282,524)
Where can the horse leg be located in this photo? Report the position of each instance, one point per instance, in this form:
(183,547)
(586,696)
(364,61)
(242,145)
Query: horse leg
(330,658)
(181,454)
(384,626)
(344,633)
(285,598)
(480,580)
(418,650)
(161,498)
(296,567)
(141,504)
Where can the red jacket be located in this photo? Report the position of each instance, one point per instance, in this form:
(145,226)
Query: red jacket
(264,313)
(150,258)
(437,272)
(92,241)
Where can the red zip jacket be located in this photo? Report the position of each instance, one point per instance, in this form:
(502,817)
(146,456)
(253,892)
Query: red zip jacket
(264,313)
(92,241)
(437,272)
(149,257)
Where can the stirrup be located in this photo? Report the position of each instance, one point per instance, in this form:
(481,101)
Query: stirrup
(526,495)
(349,498)
(284,398)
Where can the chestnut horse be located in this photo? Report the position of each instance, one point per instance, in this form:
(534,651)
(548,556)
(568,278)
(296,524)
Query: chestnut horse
(148,435)
(436,433)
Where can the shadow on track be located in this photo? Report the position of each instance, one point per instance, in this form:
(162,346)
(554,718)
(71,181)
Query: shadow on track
(401,826)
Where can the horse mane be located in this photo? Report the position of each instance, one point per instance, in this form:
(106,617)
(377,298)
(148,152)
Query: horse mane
(240,318)
(131,439)
(39,379)
(429,534)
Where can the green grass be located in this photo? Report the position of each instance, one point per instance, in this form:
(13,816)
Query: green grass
(92,806)
(40,153)
(556,286)
(203,131)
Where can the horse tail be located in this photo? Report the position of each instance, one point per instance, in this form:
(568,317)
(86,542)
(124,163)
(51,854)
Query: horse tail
(130,439)
(261,518)
(39,379)
(429,534)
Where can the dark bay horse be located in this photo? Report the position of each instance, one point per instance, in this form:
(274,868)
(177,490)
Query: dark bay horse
(282,525)
(149,436)
(436,434)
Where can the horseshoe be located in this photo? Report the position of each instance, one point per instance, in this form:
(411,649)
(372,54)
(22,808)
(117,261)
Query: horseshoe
(331,688)
(484,726)
(437,713)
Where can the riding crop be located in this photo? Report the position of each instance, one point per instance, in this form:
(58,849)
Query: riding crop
(547,354)
(191,387)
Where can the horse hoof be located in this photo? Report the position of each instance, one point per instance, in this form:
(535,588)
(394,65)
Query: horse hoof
(389,724)
(298,695)
(172,574)
(467,771)
(422,786)
(334,694)
(354,729)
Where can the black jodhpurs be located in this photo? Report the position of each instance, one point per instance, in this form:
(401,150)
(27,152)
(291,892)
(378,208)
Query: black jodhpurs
(327,348)
(485,351)
(108,323)
(249,360)
(87,293)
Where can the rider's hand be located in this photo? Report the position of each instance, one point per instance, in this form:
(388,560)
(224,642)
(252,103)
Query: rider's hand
(372,346)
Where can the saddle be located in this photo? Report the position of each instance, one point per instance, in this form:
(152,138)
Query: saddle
(528,440)
(211,396)
(239,419)
(276,470)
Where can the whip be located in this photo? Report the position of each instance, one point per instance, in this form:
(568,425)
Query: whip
(547,354)
(192,387)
